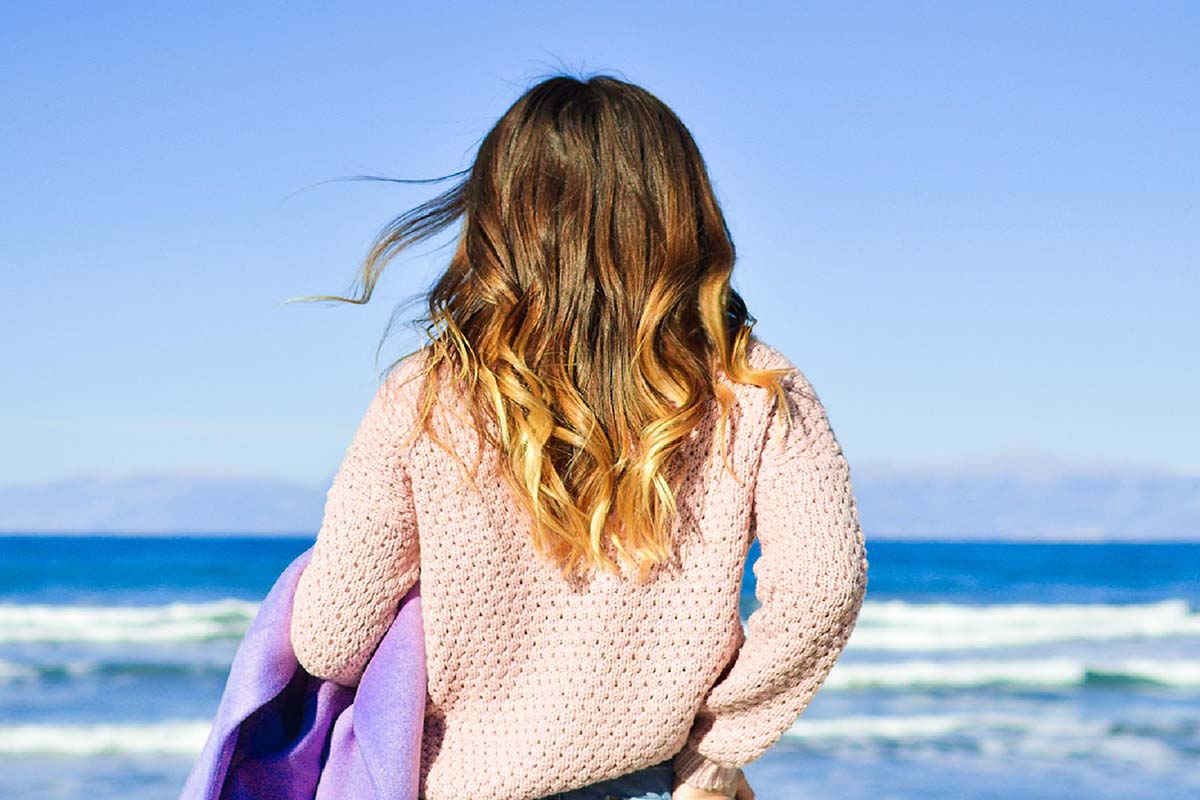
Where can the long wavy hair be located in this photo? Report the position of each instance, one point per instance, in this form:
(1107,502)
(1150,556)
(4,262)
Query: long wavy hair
(586,313)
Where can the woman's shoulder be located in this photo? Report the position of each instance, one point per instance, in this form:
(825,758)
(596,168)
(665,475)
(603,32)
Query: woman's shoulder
(399,390)
(802,400)
(762,355)
(403,376)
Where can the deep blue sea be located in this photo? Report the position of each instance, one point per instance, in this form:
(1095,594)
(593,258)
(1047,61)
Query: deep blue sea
(975,670)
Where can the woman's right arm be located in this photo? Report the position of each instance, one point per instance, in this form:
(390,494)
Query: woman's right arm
(367,553)
(811,581)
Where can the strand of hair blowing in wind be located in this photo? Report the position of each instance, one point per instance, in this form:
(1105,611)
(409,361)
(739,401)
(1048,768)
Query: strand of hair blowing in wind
(586,312)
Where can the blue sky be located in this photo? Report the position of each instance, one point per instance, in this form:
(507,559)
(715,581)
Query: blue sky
(974,226)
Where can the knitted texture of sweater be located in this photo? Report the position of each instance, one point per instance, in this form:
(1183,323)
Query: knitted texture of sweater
(538,684)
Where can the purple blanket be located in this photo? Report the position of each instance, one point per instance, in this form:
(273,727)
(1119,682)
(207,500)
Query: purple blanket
(283,734)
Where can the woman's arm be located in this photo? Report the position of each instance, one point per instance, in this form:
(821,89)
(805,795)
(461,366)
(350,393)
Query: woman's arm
(366,555)
(811,581)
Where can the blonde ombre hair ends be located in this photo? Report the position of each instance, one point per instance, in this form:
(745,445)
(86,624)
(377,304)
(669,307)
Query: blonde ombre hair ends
(585,313)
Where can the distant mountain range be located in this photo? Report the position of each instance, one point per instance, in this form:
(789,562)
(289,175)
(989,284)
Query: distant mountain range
(1011,499)
(162,503)
(1026,499)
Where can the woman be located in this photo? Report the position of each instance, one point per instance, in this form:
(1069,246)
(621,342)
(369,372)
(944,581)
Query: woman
(575,464)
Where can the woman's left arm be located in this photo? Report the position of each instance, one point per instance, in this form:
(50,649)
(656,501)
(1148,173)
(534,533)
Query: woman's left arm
(366,556)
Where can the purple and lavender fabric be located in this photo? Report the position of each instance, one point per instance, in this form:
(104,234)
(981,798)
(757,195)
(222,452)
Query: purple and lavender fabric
(283,734)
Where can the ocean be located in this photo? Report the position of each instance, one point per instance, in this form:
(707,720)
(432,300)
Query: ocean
(976,670)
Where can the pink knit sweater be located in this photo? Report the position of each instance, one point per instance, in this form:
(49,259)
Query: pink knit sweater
(538,685)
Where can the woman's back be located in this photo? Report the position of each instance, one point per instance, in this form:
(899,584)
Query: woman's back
(539,683)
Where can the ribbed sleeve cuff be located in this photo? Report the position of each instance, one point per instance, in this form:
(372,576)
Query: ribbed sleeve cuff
(704,773)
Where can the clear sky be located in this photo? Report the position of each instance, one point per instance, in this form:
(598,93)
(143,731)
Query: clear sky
(975,227)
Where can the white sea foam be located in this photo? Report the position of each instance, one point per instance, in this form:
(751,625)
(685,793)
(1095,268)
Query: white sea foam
(172,737)
(892,625)
(52,667)
(16,672)
(172,622)
(898,625)
(1042,672)
(991,733)
(867,727)
(1048,736)
(914,674)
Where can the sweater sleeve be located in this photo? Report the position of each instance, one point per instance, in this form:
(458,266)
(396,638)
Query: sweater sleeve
(811,580)
(366,554)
